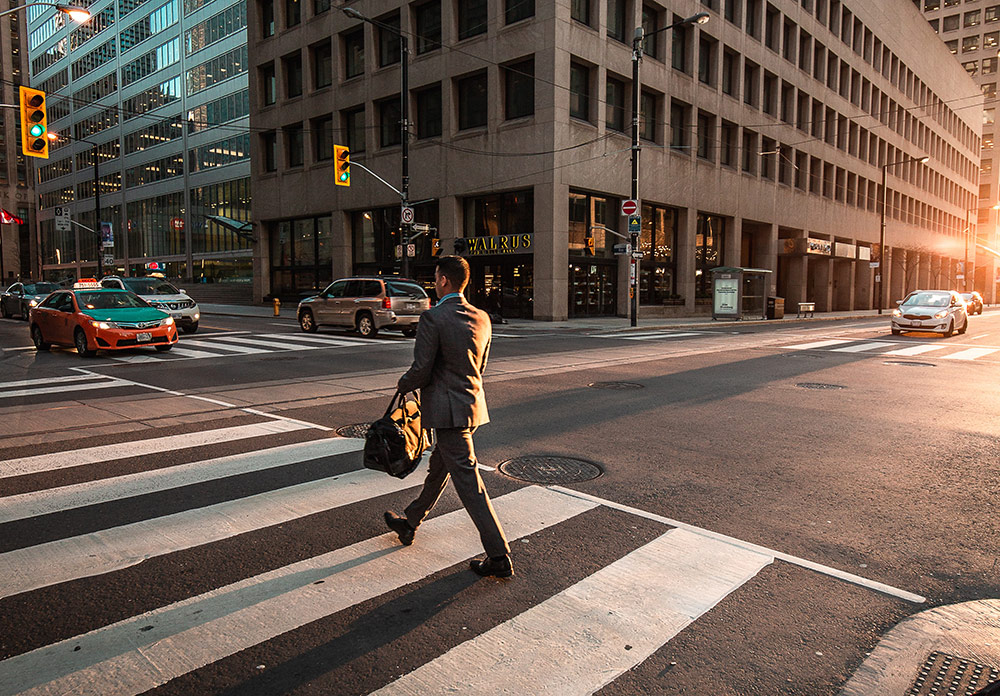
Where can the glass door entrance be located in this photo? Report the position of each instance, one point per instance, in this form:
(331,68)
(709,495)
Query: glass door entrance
(592,288)
(503,287)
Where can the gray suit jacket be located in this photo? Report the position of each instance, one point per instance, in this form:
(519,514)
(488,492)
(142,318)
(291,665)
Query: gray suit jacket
(449,356)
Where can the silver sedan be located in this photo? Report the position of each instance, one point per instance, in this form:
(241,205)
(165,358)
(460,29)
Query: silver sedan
(19,298)
(937,311)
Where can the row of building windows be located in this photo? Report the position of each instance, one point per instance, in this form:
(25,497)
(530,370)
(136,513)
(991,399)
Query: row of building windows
(108,118)
(95,59)
(216,28)
(163,131)
(932,5)
(96,90)
(968,20)
(220,153)
(166,92)
(55,170)
(222,110)
(216,70)
(161,57)
(157,170)
(98,23)
(155,22)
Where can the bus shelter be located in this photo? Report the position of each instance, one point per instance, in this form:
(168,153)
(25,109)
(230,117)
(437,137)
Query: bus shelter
(739,293)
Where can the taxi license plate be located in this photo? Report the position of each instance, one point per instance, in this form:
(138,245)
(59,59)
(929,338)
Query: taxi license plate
(143,337)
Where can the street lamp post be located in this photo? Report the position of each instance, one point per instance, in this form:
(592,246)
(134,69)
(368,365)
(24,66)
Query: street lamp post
(882,300)
(77,14)
(638,39)
(404,129)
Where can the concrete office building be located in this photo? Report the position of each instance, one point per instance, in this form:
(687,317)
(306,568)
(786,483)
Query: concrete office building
(764,135)
(144,84)
(971,31)
(18,252)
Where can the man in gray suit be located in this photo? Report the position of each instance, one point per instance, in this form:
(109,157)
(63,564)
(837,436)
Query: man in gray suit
(449,356)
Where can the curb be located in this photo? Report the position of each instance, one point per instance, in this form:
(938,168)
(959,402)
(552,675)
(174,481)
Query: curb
(970,631)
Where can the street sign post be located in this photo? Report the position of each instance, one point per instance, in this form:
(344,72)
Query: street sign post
(411,250)
(177,223)
(634,224)
(623,249)
(421,227)
(109,260)
(629,207)
(107,235)
(62,220)
(406,215)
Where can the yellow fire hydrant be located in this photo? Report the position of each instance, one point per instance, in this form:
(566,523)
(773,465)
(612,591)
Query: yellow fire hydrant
(277,306)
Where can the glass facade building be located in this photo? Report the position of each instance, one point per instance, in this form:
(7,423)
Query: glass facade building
(157,92)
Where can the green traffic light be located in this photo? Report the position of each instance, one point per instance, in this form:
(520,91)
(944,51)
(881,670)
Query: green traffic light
(344,176)
(37,130)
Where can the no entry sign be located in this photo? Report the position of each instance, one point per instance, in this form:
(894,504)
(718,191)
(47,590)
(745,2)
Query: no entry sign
(629,207)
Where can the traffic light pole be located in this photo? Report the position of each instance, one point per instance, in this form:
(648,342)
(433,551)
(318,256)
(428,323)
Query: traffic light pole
(404,128)
(637,40)
(97,217)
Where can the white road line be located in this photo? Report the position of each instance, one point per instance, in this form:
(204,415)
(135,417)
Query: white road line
(278,345)
(25,505)
(179,352)
(655,336)
(641,335)
(863,347)
(976,338)
(108,550)
(128,657)
(216,345)
(63,388)
(326,340)
(103,453)
(970,354)
(916,350)
(52,380)
(820,344)
(794,560)
(607,623)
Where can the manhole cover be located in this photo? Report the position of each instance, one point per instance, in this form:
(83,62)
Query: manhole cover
(819,385)
(616,385)
(909,363)
(942,673)
(544,469)
(358,430)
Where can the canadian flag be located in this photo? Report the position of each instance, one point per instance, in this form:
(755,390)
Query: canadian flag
(9,218)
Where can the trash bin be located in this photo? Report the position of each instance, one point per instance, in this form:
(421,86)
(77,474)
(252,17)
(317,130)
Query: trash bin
(776,308)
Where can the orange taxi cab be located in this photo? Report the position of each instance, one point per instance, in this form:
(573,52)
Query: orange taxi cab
(92,318)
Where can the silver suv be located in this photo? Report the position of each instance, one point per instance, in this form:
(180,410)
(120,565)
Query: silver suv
(161,295)
(366,304)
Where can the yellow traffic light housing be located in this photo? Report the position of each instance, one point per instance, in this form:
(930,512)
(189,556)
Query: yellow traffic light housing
(342,165)
(590,244)
(34,123)
(435,246)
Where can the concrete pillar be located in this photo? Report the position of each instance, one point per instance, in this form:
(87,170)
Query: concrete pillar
(343,244)
(687,231)
(897,276)
(733,244)
(551,245)
(797,281)
(863,284)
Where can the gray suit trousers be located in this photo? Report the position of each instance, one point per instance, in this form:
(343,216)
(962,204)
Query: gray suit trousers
(454,457)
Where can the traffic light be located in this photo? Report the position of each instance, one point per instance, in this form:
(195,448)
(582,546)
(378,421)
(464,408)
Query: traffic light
(342,165)
(590,244)
(435,247)
(34,123)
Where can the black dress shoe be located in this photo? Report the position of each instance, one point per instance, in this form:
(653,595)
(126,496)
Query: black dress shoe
(402,528)
(498,567)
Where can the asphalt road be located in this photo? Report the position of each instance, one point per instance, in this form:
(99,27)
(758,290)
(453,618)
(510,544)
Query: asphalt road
(772,500)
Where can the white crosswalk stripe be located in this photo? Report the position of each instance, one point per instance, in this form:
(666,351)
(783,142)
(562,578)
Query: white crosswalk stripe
(57,385)
(819,344)
(651,335)
(971,354)
(942,350)
(916,350)
(230,344)
(862,347)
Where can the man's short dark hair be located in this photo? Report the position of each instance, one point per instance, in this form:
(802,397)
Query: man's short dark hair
(455,269)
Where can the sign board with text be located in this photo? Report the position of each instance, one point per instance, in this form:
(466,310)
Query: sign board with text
(107,235)
(62,220)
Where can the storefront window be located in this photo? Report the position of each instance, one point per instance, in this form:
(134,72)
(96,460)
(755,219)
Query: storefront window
(500,214)
(588,212)
(375,236)
(301,258)
(657,272)
(709,243)
(593,278)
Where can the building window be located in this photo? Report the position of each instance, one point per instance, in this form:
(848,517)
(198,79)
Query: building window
(706,59)
(650,23)
(732,11)
(952,46)
(706,136)
(679,124)
(750,74)
(648,116)
(680,49)
(388,40)
(322,58)
(428,18)
(931,5)
(354,53)
(657,242)
(970,44)
(580,11)
(472,101)
(990,90)
(971,67)
(972,18)
(616,20)
(615,104)
(749,151)
(295,145)
(727,144)
(269,145)
(992,14)
(950,23)
(499,214)
(323,138)
(388,119)
(935,25)
(730,67)
(293,13)
(579,91)
(429,112)
(353,121)
(292,66)
(320,6)
(770,99)
(753,18)
(266,18)
(519,89)
(472,18)
(768,154)
(989,66)
(268,84)
(991,39)
(516,10)
(708,252)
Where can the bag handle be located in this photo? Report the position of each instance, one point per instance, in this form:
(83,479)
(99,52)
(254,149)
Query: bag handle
(399,401)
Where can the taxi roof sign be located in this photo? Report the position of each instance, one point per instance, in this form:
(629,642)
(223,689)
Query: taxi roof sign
(86,283)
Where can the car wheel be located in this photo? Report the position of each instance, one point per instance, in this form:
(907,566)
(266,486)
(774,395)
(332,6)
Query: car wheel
(36,338)
(896,332)
(164,348)
(24,312)
(950,330)
(365,325)
(965,326)
(306,321)
(188,328)
(3,311)
(80,340)
(409,333)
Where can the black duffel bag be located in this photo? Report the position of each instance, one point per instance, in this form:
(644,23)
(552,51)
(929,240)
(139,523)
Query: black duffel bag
(396,441)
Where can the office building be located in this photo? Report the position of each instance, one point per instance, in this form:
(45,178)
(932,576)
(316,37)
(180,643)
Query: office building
(157,92)
(764,135)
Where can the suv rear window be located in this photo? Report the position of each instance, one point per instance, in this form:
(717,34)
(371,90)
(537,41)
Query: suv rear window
(150,286)
(398,289)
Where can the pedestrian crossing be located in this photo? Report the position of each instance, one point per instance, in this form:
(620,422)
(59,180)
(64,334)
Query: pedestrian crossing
(944,350)
(235,345)
(652,335)
(185,518)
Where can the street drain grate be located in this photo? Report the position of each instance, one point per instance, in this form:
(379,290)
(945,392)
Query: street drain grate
(943,674)
(819,385)
(358,430)
(909,363)
(536,468)
(620,386)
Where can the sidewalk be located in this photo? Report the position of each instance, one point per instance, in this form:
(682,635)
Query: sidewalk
(583,324)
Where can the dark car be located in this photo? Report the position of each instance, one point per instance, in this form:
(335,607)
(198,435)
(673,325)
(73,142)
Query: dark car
(973,301)
(20,297)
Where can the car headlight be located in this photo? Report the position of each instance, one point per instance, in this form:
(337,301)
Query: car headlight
(33,303)
(942,314)
(104,325)
(197,316)
(896,313)
(169,321)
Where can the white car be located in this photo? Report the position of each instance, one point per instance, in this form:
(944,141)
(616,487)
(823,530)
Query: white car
(161,295)
(938,311)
